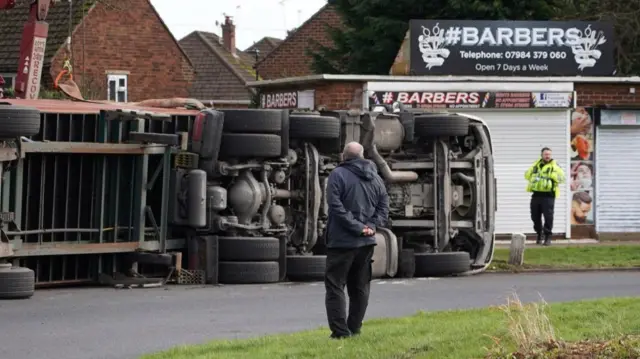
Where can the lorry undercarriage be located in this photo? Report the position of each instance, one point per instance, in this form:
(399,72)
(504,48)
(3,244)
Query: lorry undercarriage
(266,172)
(131,197)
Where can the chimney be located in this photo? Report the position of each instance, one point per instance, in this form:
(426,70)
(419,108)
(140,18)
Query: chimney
(229,35)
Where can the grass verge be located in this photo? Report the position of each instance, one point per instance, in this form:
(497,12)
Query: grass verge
(574,257)
(497,332)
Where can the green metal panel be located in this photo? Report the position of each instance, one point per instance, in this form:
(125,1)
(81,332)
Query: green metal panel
(80,195)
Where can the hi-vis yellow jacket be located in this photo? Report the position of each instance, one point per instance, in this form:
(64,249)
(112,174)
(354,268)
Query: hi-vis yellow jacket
(543,177)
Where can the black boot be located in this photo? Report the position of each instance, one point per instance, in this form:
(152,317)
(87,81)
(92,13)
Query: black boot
(539,240)
(547,239)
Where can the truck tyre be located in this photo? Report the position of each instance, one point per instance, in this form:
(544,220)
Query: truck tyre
(442,264)
(252,121)
(248,272)
(306,268)
(248,248)
(441,125)
(16,282)
(409,123)
(250,145)
(313,126)
(407,264)
(16,121)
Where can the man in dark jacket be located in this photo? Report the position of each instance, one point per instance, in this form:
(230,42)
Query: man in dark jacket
(358,204)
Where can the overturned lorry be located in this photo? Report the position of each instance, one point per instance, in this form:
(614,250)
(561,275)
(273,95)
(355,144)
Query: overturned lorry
(255,183)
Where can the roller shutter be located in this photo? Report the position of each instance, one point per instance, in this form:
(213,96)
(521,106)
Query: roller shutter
(617,173)
(518,137)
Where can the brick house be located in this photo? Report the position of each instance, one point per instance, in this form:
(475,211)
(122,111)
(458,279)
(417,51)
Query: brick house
(263,47)
(223,71)
(289,58)
(119,51)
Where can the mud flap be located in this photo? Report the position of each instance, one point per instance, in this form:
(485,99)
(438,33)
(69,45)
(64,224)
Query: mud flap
(206,137)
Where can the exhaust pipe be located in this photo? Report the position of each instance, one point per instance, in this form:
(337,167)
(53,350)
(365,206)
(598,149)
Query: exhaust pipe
(371,149)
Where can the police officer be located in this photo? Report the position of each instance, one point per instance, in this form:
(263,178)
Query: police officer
(543,180)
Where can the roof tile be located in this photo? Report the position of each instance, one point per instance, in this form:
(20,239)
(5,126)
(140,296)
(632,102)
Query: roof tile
(219,74)
(242,62)
(265,46)
(12,23)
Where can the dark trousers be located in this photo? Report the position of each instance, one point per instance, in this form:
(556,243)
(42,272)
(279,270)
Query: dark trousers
(542,206)
(350,267)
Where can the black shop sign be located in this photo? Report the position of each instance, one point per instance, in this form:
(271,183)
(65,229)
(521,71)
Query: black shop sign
(511,48)
(473,100)
(279,100)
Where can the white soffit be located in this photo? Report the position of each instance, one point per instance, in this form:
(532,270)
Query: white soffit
(471,86)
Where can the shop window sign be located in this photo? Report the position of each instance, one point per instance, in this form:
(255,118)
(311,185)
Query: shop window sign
(619,117)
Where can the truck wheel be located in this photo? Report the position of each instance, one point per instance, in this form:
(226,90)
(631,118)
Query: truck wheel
(311,127)
(441,125)
(16,121)
(16,282)
(248,272)
(306,268)
(407,264)
(252,121)
(409,124)
(442,264)
(248,248)
(250,145)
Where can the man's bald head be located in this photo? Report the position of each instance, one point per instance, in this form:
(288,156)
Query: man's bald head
(352,150)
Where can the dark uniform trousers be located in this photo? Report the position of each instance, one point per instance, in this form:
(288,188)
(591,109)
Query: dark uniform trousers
(542,205)
(350,267)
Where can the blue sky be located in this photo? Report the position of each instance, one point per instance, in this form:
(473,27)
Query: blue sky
(254,19)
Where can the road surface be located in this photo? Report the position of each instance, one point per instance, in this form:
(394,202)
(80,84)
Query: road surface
(106,323)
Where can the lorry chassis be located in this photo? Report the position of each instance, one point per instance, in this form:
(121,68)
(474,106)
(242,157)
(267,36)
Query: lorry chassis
(238,194)
(265,174)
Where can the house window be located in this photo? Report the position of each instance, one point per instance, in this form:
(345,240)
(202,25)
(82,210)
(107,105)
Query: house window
(9,80)
(117,88)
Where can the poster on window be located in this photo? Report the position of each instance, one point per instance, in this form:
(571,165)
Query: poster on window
(581,174)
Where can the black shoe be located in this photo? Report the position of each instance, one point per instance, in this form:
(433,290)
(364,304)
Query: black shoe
(341,336)
(539,240)
(547,240)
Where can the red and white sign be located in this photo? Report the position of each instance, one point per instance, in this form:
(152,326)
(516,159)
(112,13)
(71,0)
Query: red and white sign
(628,118)
(35,68)
(474,99)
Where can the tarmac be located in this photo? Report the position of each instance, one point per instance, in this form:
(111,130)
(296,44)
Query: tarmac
(106,323)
